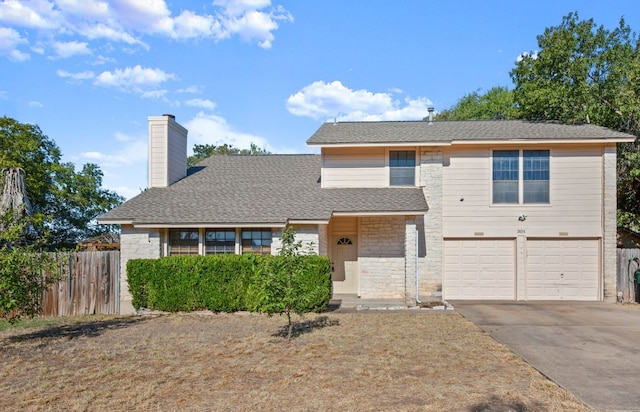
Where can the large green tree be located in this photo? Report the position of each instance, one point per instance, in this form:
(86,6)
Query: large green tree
(496,104)
(65,202)
(202,151)
(584,73)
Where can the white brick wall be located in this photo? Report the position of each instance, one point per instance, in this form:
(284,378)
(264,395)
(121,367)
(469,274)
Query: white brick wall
(135,244)
(410,261)
(609,224)
(381,257)
(431,246)
(307,234)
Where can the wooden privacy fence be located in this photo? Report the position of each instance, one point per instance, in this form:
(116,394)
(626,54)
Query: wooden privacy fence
(90,285)
(627,266)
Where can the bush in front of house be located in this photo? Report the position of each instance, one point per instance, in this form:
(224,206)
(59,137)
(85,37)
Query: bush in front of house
(220,283)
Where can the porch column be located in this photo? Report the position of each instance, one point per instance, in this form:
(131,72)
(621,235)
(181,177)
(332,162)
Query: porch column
(410,263)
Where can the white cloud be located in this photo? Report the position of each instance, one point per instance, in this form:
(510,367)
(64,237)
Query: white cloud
(86,75)
(213,129)
(321,100)
(128,21)
(190,25)
(4,95)
(39,14)
(125,168)
(9,41)
(202,103)
(244,18)
(190,89)
(137,79)
(71,48)
(36,105)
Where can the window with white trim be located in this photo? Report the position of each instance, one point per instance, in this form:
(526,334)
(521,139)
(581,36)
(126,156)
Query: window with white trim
(219,241)
(513,184)
(256,241)
(402,168)
(183,242)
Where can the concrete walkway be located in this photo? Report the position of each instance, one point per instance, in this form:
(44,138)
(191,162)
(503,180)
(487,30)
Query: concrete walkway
(591,349)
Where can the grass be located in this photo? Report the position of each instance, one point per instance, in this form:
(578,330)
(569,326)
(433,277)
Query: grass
(395,361)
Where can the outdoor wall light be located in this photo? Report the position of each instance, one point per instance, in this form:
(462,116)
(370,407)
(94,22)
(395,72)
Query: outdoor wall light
(522,217)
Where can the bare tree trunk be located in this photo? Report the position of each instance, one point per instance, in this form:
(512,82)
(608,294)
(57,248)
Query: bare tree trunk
(14,199)
(14,194)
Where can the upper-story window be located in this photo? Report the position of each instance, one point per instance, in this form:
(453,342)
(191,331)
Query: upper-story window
(183,242)
(402,168)
(511,185)
(219,241)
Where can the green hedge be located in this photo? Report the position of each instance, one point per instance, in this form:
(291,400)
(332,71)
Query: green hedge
(220,283)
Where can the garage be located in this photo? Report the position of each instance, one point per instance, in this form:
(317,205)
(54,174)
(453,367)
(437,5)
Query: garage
(479,269)
(563,269)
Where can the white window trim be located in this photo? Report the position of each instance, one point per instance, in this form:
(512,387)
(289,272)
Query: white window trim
(387,164)
(520,177)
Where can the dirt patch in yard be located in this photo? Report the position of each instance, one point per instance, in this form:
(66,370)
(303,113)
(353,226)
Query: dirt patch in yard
(391,361)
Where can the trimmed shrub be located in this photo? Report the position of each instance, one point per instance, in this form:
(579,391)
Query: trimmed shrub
(220,283)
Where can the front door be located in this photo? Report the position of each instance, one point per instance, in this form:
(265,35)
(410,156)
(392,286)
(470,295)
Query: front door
(344,260)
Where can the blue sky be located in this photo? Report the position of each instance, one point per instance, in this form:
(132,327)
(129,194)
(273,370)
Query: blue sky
(90,72)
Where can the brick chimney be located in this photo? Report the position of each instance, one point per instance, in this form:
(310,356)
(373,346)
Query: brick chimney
(167,151)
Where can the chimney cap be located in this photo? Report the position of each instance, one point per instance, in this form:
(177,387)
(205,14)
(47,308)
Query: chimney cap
(170,116)
(430,109)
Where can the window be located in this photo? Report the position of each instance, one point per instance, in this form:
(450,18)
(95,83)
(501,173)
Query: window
(219,241)
(183,242)
(505,176)
(535,169)
(257,241)
(513,186)
(402,168)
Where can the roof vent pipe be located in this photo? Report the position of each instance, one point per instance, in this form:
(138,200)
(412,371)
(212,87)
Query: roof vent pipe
(431,117)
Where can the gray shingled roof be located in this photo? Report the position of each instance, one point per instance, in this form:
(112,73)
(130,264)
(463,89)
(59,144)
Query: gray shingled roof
(451,131)
(256,190)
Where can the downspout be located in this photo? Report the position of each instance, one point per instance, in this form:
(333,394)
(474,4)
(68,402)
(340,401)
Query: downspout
(417,272)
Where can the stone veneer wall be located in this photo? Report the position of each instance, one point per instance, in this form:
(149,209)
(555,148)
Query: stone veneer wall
(307,234)
(410,261)
(431,242)
(382,257)
(609,200)
(135,244)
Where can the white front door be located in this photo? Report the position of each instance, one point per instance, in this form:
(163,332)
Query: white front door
(344,261)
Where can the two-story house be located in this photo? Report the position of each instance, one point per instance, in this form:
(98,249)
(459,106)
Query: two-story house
(413,210)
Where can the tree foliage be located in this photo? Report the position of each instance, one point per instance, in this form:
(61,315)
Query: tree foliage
(65,202)
(22,262)
(22,275)
(202,151)
(584,73)
(496,104)
(280,287)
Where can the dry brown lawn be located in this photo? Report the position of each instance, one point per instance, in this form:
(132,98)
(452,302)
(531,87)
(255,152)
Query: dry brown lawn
(375,361)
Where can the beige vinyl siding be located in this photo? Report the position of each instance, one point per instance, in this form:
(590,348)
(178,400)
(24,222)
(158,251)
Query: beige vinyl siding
(575,207)
(354,167)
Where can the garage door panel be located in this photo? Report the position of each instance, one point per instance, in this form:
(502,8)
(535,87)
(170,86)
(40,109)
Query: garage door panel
(479,269)
(567,269)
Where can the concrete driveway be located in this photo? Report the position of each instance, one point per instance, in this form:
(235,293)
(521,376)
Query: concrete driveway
(592,349)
